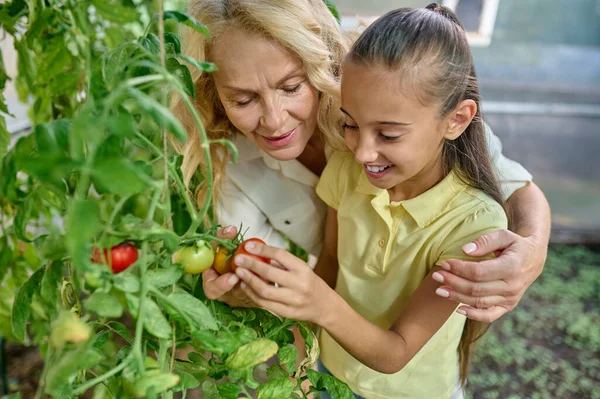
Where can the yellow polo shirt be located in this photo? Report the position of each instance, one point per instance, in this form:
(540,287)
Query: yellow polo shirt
(385,250)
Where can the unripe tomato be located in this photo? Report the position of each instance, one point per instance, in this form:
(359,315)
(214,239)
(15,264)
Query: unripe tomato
(223,260)
(196,258)
(121,256)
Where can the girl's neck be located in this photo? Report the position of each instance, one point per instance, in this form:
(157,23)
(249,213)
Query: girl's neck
(313,156)
(425,179)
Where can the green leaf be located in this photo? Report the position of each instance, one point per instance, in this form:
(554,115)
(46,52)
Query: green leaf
(126,282)
(154,320)
(25,64)
(120,176)
(21,309)
(183,74)
(156,382)
(122,124)
(66,367)
(104,305)
(187,20)
(139,230)
(252,354)
(276,372)
(6,255)
(4,135)
(83,223)
(115,11)
(276,389)
(334,387)
(160,114)
(100,339)
(210,390)
(24,214)
(222,342)
(173,40)
(194,309)
(160,278)
(288,355)
(50,285)
(333,9)
(120,329)
(202,66)
(228,390)
(186,381)
(199,371)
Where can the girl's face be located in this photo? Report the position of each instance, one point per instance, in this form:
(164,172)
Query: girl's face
(265,93)
(397,139)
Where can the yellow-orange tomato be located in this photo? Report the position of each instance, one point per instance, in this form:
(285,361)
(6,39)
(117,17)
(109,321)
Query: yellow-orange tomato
(223,262)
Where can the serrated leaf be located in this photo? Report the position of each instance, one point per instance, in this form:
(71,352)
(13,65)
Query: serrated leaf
(183,74)
(335,388)
(276,389)
(115,12)
(50,285)
(288,355)
(156,382)
(120,176)
(104,305)
(210,391)
(126,282)
(160,278)
(154,320)
(186,381)
(120,329)
(202,66)
(187,20)
(21,309)
(194,309)
(173,40)
(252,354)
(228,390)
(160,114)
(276,372)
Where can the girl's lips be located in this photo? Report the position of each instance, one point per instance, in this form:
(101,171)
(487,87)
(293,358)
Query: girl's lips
(280,141)
(377,175)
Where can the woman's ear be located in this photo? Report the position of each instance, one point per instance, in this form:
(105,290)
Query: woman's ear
(460,119)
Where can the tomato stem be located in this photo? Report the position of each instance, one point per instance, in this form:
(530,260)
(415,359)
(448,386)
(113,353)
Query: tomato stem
(83,388)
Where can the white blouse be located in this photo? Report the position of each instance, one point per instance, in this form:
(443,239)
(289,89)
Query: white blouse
(273,199)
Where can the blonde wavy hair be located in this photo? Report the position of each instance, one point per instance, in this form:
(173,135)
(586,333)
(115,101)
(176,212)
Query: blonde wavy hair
(304,27)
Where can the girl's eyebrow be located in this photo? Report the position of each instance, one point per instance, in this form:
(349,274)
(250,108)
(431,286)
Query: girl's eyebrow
(391,123)
(293,74)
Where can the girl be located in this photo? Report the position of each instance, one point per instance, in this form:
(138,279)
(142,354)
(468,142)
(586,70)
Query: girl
(417,184)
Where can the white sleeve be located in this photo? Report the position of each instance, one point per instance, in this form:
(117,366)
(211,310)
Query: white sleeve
(235,208)
(512,175)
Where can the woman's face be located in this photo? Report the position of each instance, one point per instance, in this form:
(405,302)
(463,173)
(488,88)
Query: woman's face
(265,93)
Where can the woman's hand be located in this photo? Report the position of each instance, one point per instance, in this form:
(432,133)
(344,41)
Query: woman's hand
(296,293)
(493,287)
(225,287)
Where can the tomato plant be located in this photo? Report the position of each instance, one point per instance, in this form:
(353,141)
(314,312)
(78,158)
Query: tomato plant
(99,169)
(195,258)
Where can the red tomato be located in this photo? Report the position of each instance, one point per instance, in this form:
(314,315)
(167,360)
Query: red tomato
(121,256)
(242,251)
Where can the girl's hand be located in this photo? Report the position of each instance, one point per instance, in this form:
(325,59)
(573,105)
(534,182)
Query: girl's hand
(225,287)
(493,287)
(296,293)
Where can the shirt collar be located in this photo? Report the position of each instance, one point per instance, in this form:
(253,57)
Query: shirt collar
(424,208)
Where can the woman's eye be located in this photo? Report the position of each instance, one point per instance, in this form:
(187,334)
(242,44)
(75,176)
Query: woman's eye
(349,127)
(388,138)
(243,103)
(291,90)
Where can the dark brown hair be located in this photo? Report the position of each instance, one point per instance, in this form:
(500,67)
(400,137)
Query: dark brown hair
(429,48)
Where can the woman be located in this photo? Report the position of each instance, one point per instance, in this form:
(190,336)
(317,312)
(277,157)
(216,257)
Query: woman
(276,96)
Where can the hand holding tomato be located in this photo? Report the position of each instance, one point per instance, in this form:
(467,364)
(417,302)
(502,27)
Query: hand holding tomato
(120,256)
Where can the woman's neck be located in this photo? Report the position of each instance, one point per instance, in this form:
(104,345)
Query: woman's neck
(313,156)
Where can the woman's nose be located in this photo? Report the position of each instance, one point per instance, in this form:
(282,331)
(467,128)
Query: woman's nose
(273,117)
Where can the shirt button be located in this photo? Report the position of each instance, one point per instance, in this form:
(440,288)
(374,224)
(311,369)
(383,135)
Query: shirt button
(382,243)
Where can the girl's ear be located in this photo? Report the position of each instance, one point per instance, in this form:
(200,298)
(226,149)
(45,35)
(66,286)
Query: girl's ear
(460,119)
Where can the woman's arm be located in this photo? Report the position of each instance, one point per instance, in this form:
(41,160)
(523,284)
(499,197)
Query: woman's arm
(494,287)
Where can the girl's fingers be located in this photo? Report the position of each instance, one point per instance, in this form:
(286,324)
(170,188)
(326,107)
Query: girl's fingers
(275,307)
(283,257)
(216,285)
(264,271)
(263,290)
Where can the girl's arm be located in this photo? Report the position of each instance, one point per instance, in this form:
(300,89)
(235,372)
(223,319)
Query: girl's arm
(327,265)
(303,295)
(494,287)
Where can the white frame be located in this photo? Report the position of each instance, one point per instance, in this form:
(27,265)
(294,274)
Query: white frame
(483,36)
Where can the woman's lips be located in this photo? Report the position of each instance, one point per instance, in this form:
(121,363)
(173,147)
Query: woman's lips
(280,141)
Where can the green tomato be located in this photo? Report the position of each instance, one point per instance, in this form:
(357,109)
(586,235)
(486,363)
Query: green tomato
(196,258)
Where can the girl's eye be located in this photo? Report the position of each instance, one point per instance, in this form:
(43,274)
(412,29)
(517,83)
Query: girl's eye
(349,127)
(292,90)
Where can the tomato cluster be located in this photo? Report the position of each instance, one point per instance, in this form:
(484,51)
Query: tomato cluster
(198,258)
